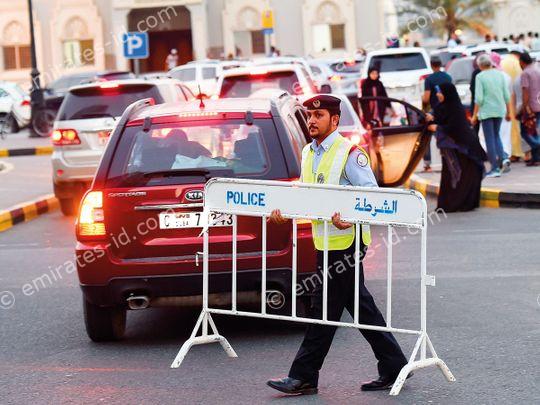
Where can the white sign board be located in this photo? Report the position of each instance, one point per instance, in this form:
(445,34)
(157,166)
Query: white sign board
(377,206)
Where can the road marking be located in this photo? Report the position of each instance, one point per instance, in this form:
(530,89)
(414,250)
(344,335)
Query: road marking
(7,167)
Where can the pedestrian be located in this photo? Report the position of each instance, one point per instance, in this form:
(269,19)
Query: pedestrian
(462,155)
(375,113)
(530,108)
(529,39)
(510,65)
(332,159)
(452,41)
(429,97)
(491,105)
(506,126)
(535,46)
(172,60)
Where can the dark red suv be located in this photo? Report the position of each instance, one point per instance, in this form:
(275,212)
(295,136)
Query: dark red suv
(138,229)
(139,224)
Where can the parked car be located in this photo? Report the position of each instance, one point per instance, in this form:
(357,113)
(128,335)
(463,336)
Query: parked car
(322,83)
(55,92)
(83,125)
(148,192)
(242,82)
(14,107)
(342,75)
(449,54)
(203,73)
(402,71)
(498,47)
(461,71)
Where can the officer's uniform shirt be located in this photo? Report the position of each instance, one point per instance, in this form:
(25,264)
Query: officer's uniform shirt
(357,169)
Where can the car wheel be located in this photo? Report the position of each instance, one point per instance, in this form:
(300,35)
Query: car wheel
(67,206)
(104,324)
(43,121)
(10,125)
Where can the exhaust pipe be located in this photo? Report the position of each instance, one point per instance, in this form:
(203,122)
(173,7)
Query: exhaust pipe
(138,302)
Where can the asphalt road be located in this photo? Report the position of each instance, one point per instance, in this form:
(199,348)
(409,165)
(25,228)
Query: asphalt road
(483,318)
(24,178)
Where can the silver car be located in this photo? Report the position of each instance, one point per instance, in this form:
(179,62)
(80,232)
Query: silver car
(85,120)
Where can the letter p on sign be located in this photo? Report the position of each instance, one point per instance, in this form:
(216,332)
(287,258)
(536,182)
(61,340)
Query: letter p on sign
(135,45)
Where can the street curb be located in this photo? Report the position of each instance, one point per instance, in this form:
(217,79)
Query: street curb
(38,150)
(489,197)
(27,211)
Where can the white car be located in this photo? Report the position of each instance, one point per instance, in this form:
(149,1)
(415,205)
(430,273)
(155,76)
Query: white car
(342,75)
(84,122)
(322,83)
(14,107)
(402,71)
(497,47)
(243,82)
(202,73)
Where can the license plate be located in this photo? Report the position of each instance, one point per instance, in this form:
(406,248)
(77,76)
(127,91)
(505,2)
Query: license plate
(182,220)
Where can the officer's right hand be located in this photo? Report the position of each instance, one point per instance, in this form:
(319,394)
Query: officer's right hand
(276,218)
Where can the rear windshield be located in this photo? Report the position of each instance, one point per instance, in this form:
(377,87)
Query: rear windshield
(461,71)
(96,102)
(196,151)
(346,67)
(245,85)
(399,62)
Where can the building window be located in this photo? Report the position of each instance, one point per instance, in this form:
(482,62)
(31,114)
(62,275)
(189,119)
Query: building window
(78,53)
(327,37)
(77,45)
(15,47)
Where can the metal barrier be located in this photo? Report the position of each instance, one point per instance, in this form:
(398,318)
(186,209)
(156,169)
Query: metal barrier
(368,206)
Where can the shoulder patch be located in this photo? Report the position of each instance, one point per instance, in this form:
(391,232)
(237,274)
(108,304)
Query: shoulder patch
(362,159)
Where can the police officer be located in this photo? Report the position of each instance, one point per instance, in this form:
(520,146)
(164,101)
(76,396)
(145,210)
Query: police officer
(332,159)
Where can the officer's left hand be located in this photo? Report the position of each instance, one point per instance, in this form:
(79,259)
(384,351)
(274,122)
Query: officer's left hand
(338,223)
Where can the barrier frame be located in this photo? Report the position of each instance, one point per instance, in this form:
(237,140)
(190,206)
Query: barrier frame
(419,221)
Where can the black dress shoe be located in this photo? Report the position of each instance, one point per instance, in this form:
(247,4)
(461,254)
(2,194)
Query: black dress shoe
(291,386)
(382,383)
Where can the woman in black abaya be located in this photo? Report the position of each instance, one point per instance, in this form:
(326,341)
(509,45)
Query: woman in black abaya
(375,113)
(462,155)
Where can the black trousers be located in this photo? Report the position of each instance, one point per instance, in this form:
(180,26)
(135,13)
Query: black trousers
(318,338)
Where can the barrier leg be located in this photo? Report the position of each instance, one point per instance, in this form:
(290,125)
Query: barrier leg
(205,318)
(419,364)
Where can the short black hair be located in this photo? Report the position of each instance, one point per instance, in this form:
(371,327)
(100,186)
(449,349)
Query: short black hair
(525,58)
(436,61)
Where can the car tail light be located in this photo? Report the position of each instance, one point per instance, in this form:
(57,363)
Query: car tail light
(356,138)
(25,103)
(91,220)
(335,78)
(423,77)
(62,137)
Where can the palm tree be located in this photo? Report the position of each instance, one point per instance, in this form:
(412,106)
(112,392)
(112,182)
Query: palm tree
(446,16)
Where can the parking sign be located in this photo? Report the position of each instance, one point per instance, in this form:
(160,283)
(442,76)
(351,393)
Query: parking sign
(136,45)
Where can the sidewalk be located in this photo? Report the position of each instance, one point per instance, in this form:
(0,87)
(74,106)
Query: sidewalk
(520,187)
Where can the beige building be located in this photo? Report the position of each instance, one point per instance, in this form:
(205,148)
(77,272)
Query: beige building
(85,35)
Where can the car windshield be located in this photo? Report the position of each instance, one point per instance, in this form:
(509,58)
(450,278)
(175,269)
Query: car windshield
(95,102)
(461,71)
(398,62)
(245,85)
(188,150)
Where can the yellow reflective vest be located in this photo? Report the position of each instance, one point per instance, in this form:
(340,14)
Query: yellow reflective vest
(329,172)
